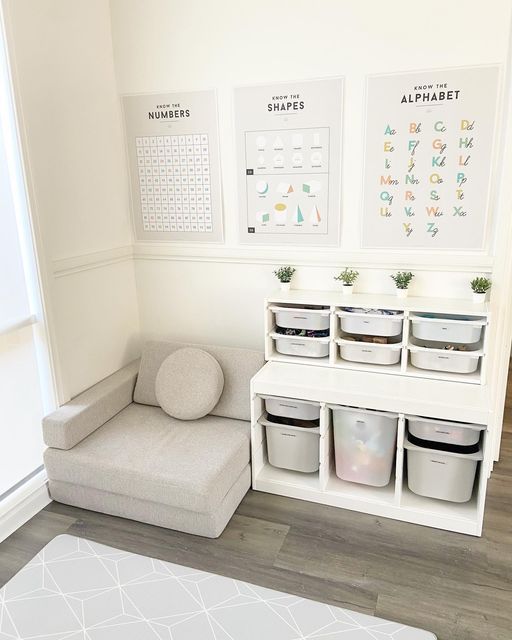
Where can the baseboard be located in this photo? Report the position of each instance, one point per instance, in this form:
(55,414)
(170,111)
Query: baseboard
(21,505)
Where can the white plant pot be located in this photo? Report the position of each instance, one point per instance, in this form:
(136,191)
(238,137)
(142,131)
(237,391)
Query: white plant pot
(402,293)
(478,298)
(347,289)
(286,286)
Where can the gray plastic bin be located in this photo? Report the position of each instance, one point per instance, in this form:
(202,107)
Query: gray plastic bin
(441,474)
(294,448)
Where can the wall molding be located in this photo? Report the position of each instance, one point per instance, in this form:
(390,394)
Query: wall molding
(21,505)
(84,262)
(331,257)
(301,257)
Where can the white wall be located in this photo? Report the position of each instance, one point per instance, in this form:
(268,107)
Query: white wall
(215,294)
(79,191)
(74,153)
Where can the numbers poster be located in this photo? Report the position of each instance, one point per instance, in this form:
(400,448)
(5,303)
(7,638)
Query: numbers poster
(428,157)
(173,153)
(289,162)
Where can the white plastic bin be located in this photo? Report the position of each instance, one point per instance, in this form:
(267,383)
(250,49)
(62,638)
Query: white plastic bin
(373,325)
(444,360)
(364,445)
(446,328)
(370,353)
(453,434)
(294,448)
(299,318)
(290,408)
(441,474)
(308,347)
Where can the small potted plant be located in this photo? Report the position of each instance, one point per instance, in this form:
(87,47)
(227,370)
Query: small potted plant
(402,279)
(347,277)
(285,275)
(480,287)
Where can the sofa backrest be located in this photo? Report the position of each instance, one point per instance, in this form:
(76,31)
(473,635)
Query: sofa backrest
(238,366)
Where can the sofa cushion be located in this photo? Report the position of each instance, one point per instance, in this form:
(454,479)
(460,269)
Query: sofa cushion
(238,366)
(189,384)
(144,453)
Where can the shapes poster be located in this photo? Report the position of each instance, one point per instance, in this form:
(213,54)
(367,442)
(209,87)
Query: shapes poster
(173,154)
(289,162)
(428,157)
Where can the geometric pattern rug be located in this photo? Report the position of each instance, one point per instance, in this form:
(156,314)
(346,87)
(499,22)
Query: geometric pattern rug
(75,589)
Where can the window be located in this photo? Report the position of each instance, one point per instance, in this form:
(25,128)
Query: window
(26,388)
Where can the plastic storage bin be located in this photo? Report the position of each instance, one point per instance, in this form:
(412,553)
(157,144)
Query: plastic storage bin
(446,328)
(364,445)
(441,474)
(456,437)
(290,408)
(384,354)
(374,325)
(293,448)
(308,347)
(444,360)
(298,318)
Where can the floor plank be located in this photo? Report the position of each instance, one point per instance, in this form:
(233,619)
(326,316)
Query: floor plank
(26,542)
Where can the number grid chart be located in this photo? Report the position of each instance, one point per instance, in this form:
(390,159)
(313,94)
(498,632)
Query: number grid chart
(173,156)
(174,183)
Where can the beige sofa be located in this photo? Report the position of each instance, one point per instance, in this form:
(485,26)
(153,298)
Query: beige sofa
(112,449)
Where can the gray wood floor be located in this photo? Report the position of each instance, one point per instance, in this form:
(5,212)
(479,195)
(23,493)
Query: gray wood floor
(457,586)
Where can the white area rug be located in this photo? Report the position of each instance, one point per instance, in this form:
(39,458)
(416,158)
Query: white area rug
(75,589)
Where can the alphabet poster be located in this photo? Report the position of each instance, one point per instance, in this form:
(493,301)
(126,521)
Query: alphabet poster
(173,154)
(429,141)
(288,140)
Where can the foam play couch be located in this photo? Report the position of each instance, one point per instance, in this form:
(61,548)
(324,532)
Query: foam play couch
(114,449)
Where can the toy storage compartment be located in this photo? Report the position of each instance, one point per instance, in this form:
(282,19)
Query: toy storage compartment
(368,352)
(292,448)
(314,318)
(434,356)
(301,346)
(446,328)
(370,322)
(442,475)
(457,437)
(364,445)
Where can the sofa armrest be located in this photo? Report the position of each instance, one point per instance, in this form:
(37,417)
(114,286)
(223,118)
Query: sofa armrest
(85,413)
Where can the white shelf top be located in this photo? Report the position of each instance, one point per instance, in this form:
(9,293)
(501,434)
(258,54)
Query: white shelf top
(417,396)
(381,301)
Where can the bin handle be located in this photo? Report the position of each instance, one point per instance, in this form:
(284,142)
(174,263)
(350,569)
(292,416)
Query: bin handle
(278,336)
(389,345)
(339,407)
(447,423)
(267,397)
(446,352)
(464,456)
(267,423)
(468,323)
(360,314)
(320,312)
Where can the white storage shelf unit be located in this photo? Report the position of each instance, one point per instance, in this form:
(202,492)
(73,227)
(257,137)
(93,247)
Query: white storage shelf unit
(424,337)
(405,397)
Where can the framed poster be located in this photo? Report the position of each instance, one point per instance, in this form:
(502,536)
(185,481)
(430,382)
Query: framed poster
(288,139)
(428,157)
(173,155)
